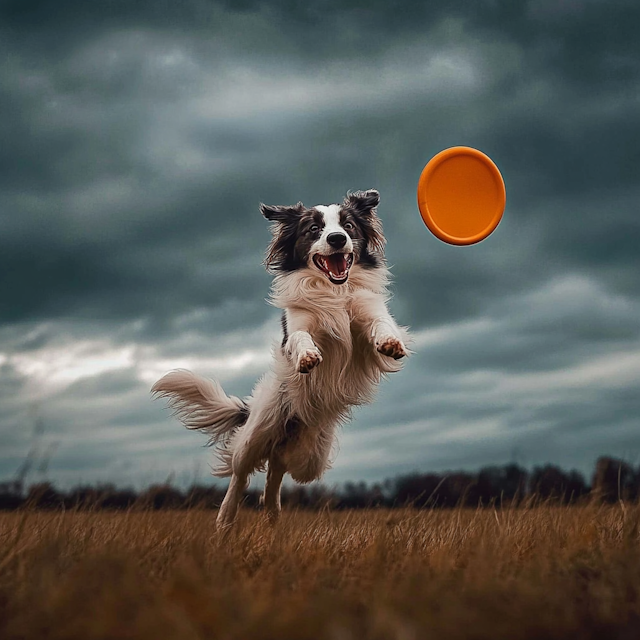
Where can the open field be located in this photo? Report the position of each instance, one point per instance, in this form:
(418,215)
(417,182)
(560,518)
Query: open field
(540,572)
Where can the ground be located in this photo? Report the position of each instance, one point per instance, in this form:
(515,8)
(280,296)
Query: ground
(533,572)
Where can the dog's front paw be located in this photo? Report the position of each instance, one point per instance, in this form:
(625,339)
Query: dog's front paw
(309,360)
(391,347)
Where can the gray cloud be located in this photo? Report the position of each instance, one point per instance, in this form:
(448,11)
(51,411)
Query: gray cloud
(138,140)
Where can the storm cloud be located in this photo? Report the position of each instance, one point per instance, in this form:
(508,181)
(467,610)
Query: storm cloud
(137,140)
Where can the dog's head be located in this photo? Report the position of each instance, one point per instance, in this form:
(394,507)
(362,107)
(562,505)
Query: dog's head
(328,238)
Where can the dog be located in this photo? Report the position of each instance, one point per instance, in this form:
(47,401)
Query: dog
(339,339)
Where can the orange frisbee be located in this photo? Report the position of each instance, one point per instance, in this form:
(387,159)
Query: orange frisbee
(461,195)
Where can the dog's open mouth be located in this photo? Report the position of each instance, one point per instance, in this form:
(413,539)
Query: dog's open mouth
(335,265)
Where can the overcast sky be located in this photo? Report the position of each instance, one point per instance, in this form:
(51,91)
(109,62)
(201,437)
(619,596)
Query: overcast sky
(138,138)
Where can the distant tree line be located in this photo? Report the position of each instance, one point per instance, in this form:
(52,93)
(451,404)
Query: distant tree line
(612,480)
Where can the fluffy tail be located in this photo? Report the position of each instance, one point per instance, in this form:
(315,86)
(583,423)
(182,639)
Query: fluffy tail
(201,404)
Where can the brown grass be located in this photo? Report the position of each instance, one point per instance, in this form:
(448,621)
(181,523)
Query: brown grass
(540,572)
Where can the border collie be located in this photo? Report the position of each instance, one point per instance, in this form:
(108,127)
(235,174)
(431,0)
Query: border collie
(339,339)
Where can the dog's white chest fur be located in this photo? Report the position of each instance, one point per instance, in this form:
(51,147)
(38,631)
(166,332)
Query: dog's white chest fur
(339,325)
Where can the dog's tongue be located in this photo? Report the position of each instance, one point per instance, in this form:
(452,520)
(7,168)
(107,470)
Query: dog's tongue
(337,263)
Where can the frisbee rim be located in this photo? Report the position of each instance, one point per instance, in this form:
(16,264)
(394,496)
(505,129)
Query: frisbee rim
(423,204)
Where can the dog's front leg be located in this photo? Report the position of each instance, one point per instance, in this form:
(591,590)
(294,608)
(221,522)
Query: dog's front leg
(387,337)
(299,345)
(371,314)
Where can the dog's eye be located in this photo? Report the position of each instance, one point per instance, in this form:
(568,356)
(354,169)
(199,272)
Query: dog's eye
(314,228)
(348,226)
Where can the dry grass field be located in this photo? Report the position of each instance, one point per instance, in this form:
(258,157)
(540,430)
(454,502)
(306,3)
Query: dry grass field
(539,572)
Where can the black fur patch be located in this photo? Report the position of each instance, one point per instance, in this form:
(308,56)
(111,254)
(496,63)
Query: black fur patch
(363,202)
(244,412)
(285,333)
(294,231)
(292,428)
(356,232)
(360,208)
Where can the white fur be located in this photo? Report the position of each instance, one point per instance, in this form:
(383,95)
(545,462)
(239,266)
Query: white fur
(339,330)
(331,215)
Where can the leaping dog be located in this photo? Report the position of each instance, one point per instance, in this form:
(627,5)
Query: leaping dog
(331,281)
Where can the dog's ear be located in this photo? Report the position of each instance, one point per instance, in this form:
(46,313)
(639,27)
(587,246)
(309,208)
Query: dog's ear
(362,202)
(284,214)
(280,252)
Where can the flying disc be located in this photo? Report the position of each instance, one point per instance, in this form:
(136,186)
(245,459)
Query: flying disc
(461,195)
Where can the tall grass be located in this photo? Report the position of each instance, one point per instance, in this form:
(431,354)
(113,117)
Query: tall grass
(536,572)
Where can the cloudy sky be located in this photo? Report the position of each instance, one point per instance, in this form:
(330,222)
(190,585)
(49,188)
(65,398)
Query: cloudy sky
(137,140)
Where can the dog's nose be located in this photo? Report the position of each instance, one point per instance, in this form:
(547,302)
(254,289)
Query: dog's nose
(337,240)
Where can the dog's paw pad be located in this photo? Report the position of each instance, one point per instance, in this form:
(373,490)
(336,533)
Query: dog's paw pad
(310,360)
(391,347)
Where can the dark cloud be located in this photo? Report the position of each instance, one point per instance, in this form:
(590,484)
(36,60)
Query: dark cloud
(139,138)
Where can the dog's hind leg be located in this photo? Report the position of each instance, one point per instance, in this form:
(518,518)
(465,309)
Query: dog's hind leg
(246,458)
(275,473)
(229,506)
(251,446)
